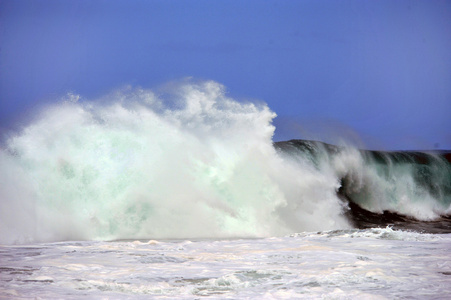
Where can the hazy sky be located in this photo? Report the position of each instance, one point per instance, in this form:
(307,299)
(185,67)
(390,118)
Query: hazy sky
(378,71)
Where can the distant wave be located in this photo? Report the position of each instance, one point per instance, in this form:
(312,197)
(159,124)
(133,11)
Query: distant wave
(396,188)
(191,162)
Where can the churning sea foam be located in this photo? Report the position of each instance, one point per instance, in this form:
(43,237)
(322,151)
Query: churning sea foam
(188,163)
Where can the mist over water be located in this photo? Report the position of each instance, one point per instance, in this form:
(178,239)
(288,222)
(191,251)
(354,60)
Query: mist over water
(190,162)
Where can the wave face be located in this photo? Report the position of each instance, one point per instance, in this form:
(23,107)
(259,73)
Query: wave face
(187,163)
(390,187)
(193,163)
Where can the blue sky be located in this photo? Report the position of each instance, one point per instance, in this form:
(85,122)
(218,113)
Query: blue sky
(376,71)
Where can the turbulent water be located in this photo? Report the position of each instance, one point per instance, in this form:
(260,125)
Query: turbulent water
(198,171)
(403,189)
(348,264)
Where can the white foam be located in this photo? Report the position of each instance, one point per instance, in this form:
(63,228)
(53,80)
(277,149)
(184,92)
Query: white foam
(191,163)
(338,265)
(392,186)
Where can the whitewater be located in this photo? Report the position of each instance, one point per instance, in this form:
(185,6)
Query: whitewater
(180,192)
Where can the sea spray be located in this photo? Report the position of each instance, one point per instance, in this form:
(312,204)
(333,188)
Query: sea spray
(412,184)
(190,163)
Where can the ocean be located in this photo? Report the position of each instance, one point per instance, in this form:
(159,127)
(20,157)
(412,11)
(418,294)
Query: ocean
(182,193)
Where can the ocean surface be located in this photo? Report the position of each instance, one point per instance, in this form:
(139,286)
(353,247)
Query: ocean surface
(342,264)
(181,193)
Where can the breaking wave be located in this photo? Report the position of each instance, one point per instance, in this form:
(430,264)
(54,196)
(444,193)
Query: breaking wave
(187,163)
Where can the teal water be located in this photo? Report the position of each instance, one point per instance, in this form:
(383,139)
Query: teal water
(192,163)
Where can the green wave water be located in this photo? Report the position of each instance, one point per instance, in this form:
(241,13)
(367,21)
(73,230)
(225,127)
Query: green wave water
(187,163)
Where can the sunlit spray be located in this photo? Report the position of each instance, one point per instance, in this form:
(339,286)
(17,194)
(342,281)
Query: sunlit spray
(192,163)
(135,166)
